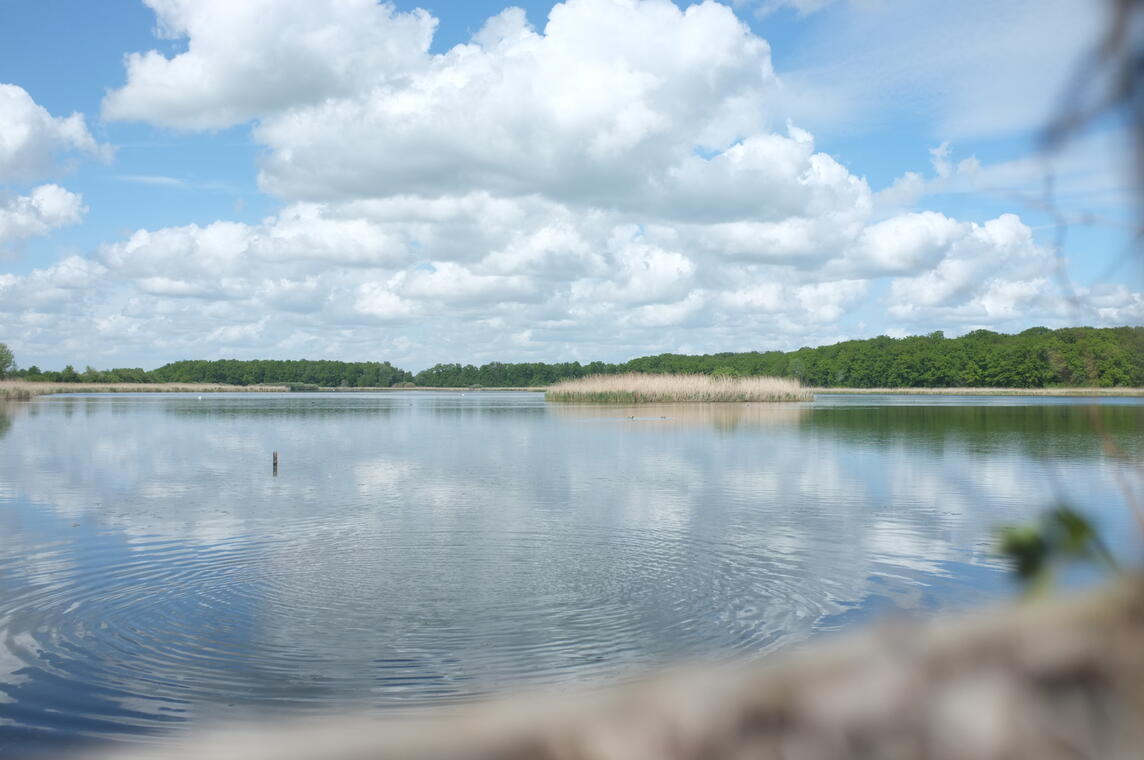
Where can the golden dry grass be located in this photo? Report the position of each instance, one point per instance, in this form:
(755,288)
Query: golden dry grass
(21,390)
(638,388)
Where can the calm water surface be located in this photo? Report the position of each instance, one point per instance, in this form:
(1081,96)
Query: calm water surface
(422,547)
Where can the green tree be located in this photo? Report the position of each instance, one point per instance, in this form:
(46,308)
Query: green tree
(7,360)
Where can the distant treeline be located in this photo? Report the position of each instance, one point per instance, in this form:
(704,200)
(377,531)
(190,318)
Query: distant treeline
(300,372)
(1035,358)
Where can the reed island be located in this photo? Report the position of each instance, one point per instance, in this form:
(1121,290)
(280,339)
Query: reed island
(638,388)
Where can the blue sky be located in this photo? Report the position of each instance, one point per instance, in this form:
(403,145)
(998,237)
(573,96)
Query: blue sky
(595,179)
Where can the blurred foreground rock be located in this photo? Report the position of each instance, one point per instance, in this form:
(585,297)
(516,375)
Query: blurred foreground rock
(1058,679)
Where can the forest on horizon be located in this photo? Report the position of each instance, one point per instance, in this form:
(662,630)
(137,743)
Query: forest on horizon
(1035,358)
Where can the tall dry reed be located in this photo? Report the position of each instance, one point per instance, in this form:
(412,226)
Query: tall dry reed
(637,388)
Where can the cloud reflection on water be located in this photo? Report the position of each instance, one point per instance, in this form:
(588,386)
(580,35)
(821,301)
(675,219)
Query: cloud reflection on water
(425,547)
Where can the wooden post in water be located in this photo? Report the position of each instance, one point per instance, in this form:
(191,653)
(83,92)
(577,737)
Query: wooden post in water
(274,459)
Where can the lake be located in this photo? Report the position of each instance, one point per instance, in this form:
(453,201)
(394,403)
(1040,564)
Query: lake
(429,547)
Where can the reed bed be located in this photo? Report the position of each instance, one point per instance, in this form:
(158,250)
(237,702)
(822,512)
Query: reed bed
(978,391)
(638,388)
(22,390)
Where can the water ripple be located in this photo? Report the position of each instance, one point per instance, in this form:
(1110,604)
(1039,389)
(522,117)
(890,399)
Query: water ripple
(155,574)
(143,634)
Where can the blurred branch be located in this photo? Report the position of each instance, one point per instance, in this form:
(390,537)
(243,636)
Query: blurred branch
(1063,534)
(1107,81)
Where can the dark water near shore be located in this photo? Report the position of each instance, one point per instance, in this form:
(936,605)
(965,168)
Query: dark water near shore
(428,547)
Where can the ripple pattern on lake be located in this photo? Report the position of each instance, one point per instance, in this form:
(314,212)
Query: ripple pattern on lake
(142,633)
(422,548)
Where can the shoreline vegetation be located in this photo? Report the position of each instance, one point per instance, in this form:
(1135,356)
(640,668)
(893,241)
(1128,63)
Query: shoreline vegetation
(20,390)
(23,390)
(1067,361)
(979,391)
(636,388)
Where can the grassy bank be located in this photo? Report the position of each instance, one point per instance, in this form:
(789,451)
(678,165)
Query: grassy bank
(21,390)
(634,388)
(985,391)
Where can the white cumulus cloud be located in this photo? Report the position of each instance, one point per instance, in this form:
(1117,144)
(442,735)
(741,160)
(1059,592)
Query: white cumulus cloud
(44,209)
(619,181)
(31,139)
(247,59)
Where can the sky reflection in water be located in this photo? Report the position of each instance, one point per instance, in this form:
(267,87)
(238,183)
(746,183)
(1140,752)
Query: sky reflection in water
(427,547)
